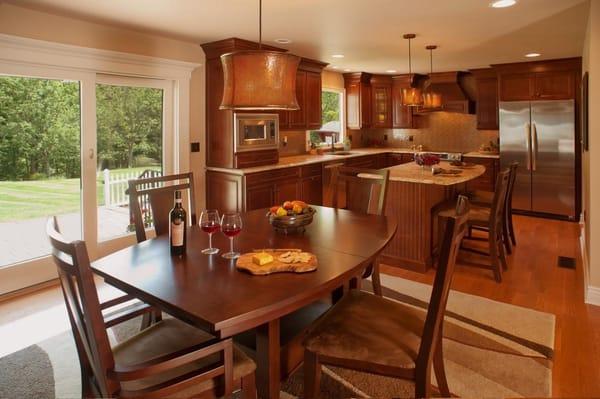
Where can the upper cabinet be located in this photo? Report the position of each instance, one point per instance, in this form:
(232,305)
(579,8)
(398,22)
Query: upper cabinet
(381,92)
(486,86)
(358,100)
(402,116)
(539,80)
(308,94)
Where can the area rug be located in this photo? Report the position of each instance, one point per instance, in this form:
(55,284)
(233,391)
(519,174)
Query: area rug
(491,349)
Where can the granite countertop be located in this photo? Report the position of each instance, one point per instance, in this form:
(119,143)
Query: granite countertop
(307,159)
(413,173)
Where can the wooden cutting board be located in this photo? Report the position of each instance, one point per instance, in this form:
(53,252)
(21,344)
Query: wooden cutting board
(244,262)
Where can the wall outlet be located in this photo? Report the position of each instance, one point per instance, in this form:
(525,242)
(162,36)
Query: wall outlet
(411,138)
(195,146)
(385,137)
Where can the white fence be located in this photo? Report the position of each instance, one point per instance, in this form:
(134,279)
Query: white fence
(115,186)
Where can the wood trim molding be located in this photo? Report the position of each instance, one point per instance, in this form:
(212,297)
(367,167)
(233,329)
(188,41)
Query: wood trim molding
(591,294)
(39,52)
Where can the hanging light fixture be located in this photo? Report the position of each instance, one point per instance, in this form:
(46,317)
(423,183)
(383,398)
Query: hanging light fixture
(411,96)
(259,79)
(431,99)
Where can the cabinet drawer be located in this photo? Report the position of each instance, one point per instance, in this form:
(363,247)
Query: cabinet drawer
(311,170)
(272,175)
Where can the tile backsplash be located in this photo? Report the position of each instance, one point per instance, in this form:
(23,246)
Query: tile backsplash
(437,131)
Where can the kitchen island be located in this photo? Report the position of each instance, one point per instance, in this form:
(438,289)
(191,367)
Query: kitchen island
(412,194)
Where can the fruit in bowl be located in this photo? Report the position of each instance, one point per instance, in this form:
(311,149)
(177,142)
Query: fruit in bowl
(291,216)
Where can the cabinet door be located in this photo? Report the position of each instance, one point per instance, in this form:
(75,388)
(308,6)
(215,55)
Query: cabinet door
(487,181)
(366,105)
(407,158)
(394,159)
(516,87)
(487,103)
(297,119)
(287,190)
(258,197)
(313,100)
(402,117)
(312,190)
(382,104)
(284,119)
(555,85)
(353,106)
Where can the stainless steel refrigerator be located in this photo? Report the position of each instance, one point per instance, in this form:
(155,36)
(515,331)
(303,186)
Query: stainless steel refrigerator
(540,135)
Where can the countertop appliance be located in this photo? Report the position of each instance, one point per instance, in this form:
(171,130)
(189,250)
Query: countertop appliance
(444,156)
(540,135)
(255,131)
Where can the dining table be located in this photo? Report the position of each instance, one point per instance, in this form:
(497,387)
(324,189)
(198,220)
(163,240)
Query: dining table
(207,291)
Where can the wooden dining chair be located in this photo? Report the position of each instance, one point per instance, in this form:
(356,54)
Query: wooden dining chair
(168,359)
(364,191)
(377,335)
(486,198)
(159,193)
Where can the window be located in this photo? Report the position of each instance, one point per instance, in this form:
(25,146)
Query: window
(332,117)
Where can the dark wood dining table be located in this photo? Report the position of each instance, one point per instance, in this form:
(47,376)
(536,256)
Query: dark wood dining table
(207,291)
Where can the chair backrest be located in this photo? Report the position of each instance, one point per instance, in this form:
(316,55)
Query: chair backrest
(83,306)
(365,194)
(160,192)
(456,227)
(499,200)
(511,185)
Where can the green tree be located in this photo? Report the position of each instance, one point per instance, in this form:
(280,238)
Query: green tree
(330,105)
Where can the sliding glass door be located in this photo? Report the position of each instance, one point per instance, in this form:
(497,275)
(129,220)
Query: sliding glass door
(68,145)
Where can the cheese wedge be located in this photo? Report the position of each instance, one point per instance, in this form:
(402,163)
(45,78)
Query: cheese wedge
(262,258)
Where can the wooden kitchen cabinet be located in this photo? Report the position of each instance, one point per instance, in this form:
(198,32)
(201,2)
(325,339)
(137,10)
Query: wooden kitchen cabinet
(487,181)
(308,95)
(539,80)
(402,116)
(311,190)
(381,92)
(394,158)
(358,100)
(486,82)
(260,196)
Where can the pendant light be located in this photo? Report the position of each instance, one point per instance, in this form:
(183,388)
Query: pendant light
(412,96)
(259,79)
(431,99)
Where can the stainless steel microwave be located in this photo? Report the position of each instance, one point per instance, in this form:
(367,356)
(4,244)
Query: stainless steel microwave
(256,131)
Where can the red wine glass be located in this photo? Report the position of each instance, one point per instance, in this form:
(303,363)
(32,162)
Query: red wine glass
(231,226)
(210,223)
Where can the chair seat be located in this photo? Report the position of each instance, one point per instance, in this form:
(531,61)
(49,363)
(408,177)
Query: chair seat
(478,215)
(168,336)
(369,328)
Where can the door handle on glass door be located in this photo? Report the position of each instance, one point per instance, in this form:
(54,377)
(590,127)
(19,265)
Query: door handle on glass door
(534,150)
(528,144)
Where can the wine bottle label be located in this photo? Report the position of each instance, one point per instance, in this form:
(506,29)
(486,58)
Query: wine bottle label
(177,227)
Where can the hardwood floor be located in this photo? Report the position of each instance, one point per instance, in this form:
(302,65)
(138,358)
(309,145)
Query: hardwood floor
(535,281)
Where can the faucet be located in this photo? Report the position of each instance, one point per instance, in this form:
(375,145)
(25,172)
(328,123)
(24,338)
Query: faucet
(333,140)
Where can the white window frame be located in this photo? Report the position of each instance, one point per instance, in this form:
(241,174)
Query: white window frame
(36,58)
(342,135)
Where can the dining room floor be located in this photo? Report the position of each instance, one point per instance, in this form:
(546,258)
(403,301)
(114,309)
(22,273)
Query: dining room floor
(533,280)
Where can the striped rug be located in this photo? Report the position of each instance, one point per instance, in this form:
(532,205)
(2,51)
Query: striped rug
(491,349)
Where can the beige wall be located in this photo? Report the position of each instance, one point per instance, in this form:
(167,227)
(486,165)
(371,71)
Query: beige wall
(591,160)
(24,22)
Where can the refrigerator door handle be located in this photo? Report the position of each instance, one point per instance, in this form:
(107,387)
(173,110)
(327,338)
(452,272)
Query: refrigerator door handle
(528,145)
(534,149)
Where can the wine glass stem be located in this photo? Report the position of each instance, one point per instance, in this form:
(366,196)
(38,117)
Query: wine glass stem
(210,240)
(231,244)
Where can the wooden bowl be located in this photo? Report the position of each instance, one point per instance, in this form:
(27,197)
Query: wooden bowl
(291,224)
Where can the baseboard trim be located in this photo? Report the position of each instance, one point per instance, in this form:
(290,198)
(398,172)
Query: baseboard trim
(592,295)
(29,290)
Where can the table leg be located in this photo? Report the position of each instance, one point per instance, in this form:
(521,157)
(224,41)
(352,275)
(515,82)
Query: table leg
(268,359)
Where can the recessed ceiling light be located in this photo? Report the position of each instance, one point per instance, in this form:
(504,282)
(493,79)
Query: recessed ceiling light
(391,71)
(347,70)
(283,41)
(503,3)
(335,67)
(338,56)
(532,55)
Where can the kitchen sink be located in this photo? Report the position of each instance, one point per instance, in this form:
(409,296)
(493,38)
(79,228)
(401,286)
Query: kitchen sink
(342,153)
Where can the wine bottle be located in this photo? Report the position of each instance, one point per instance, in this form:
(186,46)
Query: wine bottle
(177,230)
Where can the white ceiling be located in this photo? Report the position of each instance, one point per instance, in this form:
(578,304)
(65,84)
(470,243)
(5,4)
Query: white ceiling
(469,33)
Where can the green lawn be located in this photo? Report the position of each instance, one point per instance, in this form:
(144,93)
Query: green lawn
(20,200)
